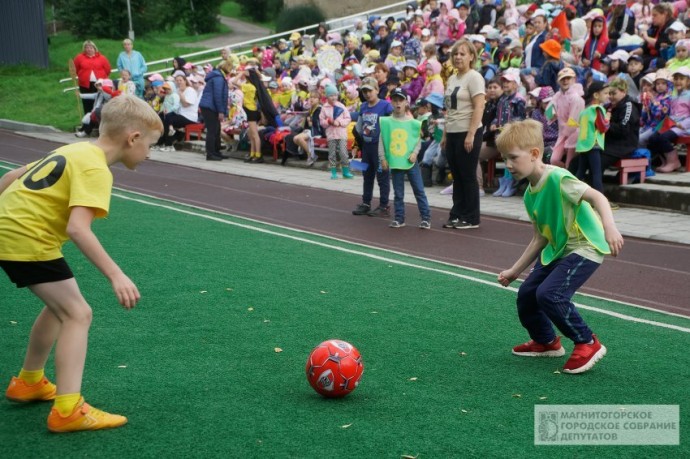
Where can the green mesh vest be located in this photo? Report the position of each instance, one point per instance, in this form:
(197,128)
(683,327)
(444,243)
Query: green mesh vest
(589,136)
(545,209)
(399,139)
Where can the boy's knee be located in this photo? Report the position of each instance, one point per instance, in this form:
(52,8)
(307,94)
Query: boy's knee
(82,314)
(525,297)
(547,297)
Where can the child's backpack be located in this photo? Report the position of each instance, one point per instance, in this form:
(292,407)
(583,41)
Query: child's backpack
(276,137)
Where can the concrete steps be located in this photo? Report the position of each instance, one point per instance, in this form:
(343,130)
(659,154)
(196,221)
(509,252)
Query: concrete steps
(663,191)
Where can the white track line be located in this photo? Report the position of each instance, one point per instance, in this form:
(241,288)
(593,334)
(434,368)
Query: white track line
(389,260)
(473,279)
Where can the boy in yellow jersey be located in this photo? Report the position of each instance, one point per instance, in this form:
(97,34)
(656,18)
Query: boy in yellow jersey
(42,205)
(570,240)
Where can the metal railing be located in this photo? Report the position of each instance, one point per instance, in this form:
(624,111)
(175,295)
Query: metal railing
(349,20)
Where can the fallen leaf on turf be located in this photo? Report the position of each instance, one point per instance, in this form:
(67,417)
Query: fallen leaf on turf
(543,398)
(517,395)
(122,366)
(464,411)
(203,291)
(345,426)
(266,321)
(463,354)
(374,312)
(413,379)
(557,372)
(250,309)
(407,456)
(323,291)
(277,349)
(229,289)
(13,322)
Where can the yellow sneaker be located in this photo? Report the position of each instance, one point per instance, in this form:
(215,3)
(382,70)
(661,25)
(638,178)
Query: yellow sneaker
(84,417)
(21,392)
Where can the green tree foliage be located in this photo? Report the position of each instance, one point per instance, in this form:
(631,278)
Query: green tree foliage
(261,10)
(108,18)
(203,18)
(299,16)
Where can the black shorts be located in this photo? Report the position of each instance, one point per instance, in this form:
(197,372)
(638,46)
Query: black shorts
(253,115)
(25,273)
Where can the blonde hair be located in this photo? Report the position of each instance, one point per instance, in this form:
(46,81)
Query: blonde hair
(619,83)
(470,49)
(88,42)
(126,113)
(226,67)
(127,40)
(523,135)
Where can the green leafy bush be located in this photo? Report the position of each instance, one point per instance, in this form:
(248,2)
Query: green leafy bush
(299,16)
(261,10)
(109,19)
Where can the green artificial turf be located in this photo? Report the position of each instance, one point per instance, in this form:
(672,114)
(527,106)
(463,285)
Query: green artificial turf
(194,365)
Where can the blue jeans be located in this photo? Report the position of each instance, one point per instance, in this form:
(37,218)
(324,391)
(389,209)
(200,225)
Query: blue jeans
(370,155)
(545,299)
(415,177)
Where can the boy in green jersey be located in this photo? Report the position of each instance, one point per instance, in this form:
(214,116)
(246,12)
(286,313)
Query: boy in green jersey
(570,239)
(398,149)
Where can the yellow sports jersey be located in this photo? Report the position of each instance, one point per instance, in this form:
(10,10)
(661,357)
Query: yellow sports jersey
(35,209)
(249,93)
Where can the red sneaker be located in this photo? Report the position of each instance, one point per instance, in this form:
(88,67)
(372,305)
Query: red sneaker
(584,357)
(534,349)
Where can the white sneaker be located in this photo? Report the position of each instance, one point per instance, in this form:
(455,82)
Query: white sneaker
(447,190)
(81,134)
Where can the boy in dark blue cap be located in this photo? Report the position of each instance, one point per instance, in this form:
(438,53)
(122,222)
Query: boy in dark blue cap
(399,145)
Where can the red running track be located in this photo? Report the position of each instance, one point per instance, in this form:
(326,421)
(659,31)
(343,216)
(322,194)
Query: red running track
(648,273)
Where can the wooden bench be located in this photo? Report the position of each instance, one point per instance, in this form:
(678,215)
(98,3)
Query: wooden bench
(195,129)
(631,165)
(685,141)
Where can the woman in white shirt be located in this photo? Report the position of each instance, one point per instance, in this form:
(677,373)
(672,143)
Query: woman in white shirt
(188,113)
(462,136)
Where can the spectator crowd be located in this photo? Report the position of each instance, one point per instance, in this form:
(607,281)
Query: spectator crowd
(607,79)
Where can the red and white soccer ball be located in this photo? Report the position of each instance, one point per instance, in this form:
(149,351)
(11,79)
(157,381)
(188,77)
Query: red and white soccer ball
(334,368)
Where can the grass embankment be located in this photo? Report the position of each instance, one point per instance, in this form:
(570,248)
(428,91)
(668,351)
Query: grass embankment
(35,95)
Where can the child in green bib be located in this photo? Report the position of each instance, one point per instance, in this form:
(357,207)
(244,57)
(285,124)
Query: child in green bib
(399,145)
(573,230)
(593,124)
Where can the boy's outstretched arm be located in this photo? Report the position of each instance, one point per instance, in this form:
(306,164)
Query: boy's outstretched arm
(7,179)
(79,230)
(533,249)
(603,208)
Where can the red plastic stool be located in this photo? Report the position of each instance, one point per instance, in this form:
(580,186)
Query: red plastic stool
(196,129)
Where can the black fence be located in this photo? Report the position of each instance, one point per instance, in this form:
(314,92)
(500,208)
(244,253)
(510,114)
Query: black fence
(23,37)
